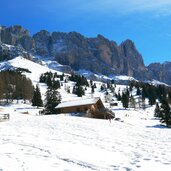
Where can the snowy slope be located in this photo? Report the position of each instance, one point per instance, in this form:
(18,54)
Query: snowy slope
(35,68)
(65,143)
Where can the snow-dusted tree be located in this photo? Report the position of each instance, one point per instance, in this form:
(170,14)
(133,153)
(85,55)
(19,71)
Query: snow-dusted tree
(37,99)
(53,98)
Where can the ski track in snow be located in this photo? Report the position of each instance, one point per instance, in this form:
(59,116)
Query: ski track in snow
(61,142)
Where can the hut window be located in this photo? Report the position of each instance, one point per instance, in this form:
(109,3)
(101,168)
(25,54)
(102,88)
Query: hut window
(78,109)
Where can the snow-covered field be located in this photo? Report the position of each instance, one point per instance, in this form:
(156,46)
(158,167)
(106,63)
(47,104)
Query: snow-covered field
(67,143)
(29,142)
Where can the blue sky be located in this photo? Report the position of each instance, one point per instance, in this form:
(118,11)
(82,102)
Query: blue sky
(147,23)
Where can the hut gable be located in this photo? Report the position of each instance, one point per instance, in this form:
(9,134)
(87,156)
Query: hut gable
(81,105)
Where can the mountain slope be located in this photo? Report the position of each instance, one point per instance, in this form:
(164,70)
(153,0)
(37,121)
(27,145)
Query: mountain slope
(97,55)
(61,142)
(161,72)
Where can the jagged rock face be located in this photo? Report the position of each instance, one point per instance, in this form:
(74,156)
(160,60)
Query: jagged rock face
(133,64)
(17,36)
(106,52)
(161,72)
(42,41)
(98,55)
(79,52)
(9,52)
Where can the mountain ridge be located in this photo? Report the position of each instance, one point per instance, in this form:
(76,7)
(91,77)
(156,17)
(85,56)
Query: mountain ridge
(98,55)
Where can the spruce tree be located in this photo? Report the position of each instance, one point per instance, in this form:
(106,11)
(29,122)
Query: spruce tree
(53,98)
(79,91)
(157,110)
(125,100)
(56,84)
(49,80)
(37,100)
(132,102)
(92,89)
(165,112)
(119,98)
(138,91)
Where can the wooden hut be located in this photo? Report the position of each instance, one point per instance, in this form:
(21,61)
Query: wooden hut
(80,106)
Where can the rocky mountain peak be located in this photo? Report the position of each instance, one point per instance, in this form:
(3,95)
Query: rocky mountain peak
(101,37)
(128,43)
(41,34)
(9,35)
(42,41)
(98,55)
(18,31)
(16,35)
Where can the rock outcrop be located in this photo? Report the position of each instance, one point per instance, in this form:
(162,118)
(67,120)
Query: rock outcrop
(16,36)
(160,72)
(9,52)
(98,55)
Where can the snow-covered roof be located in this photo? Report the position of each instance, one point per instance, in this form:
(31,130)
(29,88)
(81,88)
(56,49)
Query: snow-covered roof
(78,102)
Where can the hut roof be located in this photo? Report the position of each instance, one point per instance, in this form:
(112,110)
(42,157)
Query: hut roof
(78,103)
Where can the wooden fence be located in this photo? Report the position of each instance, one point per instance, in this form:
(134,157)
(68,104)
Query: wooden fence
(4,116)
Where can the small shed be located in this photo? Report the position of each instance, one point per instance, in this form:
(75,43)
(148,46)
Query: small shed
(80,106)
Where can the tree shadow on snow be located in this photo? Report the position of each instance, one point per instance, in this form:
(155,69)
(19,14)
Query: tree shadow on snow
(118,109)
(159,126)
(23,108)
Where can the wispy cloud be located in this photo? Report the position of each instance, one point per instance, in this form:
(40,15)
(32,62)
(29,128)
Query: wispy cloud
(159,7)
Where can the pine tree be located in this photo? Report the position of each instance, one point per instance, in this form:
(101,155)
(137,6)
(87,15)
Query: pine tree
(132,102)
(91,82)
(79,91)
(119,98)
(125,100)
(143,104)
(102,88)
(37,100)
(165,112)
(138,91)
(169,97)
(55,84)
(49,80)
(74,90)
(92,89)
(157,110)
(53,98)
